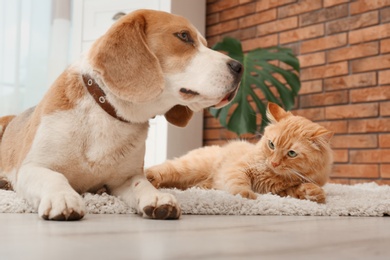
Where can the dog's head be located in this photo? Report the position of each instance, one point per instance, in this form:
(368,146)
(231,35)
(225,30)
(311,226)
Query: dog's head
(150,52)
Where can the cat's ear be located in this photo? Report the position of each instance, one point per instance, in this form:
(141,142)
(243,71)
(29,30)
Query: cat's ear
(324,135)
(321,138)
(275,113)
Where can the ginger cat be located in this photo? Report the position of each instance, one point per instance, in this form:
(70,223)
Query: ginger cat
(293,158)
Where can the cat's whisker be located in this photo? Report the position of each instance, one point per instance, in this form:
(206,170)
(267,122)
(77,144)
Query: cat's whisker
(258,135)
(291,179)
(303,177)
(312,181)
(262,118)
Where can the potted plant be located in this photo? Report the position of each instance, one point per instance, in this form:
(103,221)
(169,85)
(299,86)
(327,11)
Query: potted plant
(259,72)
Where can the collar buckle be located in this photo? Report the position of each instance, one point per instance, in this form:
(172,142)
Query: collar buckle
(100,97)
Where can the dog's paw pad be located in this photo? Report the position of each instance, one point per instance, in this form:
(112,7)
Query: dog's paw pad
(165,212)
(162,212)
(175,213)
(68,217)
(159,206)
(148,210)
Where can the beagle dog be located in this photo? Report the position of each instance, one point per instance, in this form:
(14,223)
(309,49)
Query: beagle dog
(89,130)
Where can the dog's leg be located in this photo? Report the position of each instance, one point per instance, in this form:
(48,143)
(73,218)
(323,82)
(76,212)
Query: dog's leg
(149,201)
(50,192)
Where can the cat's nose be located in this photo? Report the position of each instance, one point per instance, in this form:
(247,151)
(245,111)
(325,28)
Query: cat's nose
(275,164)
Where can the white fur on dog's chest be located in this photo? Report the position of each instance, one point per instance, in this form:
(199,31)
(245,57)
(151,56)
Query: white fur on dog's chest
(95,145)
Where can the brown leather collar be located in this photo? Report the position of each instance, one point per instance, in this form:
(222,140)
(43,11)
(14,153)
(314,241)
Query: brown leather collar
(100,97)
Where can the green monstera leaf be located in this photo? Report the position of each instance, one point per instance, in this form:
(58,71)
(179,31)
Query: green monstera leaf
(258,72)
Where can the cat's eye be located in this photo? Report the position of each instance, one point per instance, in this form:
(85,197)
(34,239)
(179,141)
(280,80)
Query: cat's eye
(271,145)
(292,154)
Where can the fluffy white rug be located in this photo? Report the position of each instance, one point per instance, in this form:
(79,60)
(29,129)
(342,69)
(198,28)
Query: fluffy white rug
(367,199)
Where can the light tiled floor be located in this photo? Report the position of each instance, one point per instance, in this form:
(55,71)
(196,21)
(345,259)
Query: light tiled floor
(111,237)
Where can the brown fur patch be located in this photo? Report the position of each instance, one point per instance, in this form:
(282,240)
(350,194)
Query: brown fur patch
(64,93)
(172,53)
(179,115)
(5,184)
(4,121)
(125,61)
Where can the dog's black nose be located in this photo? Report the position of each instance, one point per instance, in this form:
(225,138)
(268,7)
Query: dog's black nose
(235,67)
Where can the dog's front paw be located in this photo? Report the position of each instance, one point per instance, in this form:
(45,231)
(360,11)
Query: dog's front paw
(159,206)
(63,205)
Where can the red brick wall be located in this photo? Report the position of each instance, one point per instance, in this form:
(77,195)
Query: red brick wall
(344,50)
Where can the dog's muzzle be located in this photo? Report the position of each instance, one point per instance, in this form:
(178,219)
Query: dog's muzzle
(236,69)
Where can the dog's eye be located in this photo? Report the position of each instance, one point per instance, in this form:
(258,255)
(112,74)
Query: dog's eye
(184,36)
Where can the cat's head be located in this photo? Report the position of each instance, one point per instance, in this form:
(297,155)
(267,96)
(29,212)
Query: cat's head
(294,145)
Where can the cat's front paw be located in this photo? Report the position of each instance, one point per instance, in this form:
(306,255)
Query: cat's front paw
(248,194)
(311,192)
(153,177)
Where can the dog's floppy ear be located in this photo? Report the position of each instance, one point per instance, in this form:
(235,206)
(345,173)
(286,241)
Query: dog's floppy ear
(179,115)
(123,59)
